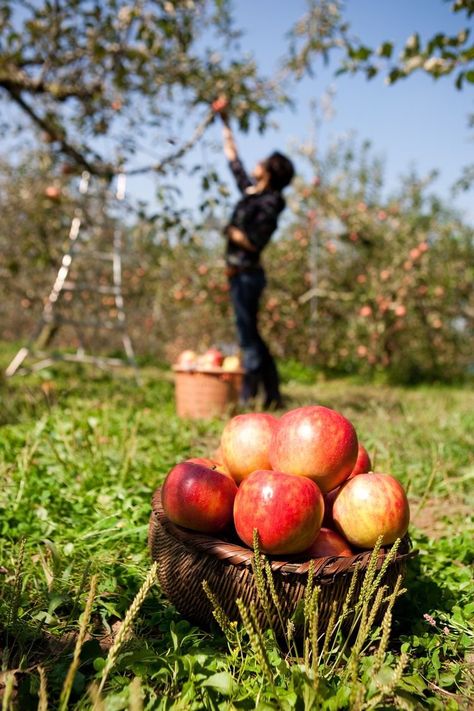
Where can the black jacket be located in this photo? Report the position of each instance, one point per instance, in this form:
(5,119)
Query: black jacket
(256,215)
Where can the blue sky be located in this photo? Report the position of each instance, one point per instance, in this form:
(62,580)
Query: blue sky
(418,122)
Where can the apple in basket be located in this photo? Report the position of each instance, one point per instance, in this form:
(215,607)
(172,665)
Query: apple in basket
(315,442)
(231,363)
(370,506)
(329,500)
(362,466)
(186,359)
(199,498)
(328,542)
(212,358)
(363,463)
(211,464)
(286,511)
(245,443)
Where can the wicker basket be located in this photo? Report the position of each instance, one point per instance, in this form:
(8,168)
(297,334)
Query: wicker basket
(186,558)
(209,393)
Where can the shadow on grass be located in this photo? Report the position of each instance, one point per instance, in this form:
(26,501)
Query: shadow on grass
(423,594)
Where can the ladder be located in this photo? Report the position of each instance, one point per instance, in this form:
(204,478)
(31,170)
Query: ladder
(64,289)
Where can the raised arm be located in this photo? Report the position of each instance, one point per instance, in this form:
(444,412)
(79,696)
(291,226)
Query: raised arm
(230,149)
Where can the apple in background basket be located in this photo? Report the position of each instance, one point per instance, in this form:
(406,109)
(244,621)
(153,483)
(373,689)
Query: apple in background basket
(327,543)
(198,498)
(363,463)
(186,359)
(231,364)
(212,358)
(245,443)
(211,464)
(315,442)
(286,510)
(370,506)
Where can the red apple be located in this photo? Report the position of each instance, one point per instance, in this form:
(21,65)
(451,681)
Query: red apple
(363,463)
(370,506)
(199,498)
(212,358)
(52,192)
(211,464)
(315,442)
(327,543)
(245,443)
(329,500)
(286,510)
(220,104)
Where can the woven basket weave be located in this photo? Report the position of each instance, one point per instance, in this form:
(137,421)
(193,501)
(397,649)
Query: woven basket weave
(201,394)
(187,558)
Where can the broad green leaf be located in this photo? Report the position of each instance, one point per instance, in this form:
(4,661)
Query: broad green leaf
(223,682)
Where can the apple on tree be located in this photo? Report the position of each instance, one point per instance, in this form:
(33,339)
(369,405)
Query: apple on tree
(370,506)
(199,498)
(286,511)
(220,104)
(52,192)
(245,443)
(315,442)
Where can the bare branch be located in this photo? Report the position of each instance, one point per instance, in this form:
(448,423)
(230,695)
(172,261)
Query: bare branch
(159,167)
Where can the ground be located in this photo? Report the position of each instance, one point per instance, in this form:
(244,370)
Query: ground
(80,455)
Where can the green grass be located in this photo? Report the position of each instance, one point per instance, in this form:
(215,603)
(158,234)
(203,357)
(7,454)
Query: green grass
(80,455)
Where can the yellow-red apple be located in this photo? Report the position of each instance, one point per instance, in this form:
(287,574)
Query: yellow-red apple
(245,443)
(231,363)
(315,442)
(199,498)
(370,506)
(286,510)
(186,359)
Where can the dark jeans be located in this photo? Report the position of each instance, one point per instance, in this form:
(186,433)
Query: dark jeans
(245,290)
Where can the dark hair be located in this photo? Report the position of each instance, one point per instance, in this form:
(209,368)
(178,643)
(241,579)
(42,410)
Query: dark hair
(281,170)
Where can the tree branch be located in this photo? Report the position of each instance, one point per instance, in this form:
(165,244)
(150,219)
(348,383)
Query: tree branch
(159,167)
(97,168)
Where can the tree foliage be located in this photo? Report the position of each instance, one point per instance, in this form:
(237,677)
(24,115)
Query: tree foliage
(102,79)
(359,283)
(439,55)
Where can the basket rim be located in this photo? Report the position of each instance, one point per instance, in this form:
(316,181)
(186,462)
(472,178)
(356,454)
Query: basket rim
(207,371)
(239,555)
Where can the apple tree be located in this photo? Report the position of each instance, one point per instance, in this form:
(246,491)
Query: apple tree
(361,282)
(101,81)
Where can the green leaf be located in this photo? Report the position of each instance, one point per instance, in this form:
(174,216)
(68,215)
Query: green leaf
(223,682)
(360,54)
(469,76)
(385,49)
